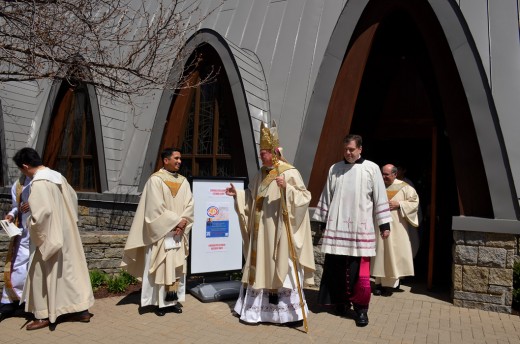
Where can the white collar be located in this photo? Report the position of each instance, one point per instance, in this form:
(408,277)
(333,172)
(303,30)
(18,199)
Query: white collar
(48,174)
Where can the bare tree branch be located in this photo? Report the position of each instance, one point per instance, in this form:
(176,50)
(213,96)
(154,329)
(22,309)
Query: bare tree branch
(120,46)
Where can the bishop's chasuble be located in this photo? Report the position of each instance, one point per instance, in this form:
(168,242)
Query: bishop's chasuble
(268,268)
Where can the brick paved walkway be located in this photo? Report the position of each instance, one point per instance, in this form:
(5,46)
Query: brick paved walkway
(412,316)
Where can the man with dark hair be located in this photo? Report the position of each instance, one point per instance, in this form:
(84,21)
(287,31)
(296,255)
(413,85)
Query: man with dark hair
(58,282)
(352,203)
(157,245)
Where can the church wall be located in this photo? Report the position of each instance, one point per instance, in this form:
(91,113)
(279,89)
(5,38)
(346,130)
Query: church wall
(290,39)
(23,104)
(483,270)
(505,75)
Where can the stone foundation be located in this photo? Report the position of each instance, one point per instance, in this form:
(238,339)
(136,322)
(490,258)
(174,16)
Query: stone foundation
(483,270)
(94,215)
(104,250)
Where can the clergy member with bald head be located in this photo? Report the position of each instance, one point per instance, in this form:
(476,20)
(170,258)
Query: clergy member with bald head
(394,258)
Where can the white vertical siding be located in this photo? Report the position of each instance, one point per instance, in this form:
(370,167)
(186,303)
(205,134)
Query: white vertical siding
(237,26)
(253,27)
(268,39)
(476,15)
(114,123)
(295,93)
(505,75)
(277,71)
(22,107)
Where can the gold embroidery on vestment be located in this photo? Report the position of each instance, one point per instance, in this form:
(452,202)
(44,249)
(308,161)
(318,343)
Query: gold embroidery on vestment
(393,189)
(174,187)
(269,177)
(173,183)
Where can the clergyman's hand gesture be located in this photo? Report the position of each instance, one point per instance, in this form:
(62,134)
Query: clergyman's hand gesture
(231,191)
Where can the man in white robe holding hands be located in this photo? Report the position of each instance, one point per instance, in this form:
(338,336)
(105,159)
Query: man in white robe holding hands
(394,257)
(157,245)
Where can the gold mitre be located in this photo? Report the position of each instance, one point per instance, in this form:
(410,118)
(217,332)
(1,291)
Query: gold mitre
(269,137)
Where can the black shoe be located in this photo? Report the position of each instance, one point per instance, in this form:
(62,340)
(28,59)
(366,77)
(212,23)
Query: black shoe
(398,288)
(378,290)
(160,312)
(7,310)
(362,319)
(176,309)
(382,291)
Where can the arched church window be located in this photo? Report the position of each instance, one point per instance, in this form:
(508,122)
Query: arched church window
(71,147)
(203,122)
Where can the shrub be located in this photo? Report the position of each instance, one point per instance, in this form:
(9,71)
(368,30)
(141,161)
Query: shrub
(516,285)
(97,278)
(129,279)
(236,276)
(117,284)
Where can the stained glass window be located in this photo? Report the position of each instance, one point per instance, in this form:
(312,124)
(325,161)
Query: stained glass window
(203,122)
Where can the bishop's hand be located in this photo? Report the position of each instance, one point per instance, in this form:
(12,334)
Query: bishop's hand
(394,205)
(280,181)
(231,191)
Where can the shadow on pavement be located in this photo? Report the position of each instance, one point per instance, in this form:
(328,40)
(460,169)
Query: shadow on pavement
(134,298)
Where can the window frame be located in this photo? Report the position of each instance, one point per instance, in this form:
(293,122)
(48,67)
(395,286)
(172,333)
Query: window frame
(63,111)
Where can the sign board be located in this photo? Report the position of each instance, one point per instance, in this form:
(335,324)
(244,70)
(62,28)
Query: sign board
(216,240)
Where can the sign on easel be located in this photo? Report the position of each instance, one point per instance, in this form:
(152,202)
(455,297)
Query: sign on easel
(216,240)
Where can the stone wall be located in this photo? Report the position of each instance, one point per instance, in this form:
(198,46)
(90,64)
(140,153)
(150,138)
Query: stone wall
(94,215)
(104,250)
(483,270)
(105,216)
